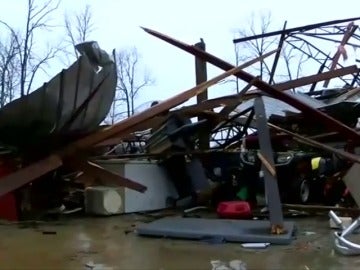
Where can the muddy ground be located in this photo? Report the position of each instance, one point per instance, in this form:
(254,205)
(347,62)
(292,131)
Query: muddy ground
(110,243)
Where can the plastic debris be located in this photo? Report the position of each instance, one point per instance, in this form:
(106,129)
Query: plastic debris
(232,265)
(255,245)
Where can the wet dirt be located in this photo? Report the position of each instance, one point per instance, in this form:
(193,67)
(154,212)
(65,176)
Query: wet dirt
(110,243)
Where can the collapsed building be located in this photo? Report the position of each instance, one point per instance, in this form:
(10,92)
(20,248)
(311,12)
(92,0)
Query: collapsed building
(270,138)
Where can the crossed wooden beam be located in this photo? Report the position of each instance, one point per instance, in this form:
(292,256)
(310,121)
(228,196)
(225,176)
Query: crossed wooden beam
(73,155)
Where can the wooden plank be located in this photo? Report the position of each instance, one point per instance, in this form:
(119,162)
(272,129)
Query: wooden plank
(152,123)
(107,177)
(316,78)
(308,141)
(303,81)
(25,175)
(126,124)
(201,76)
(267,164)
(328,121)
(33,171)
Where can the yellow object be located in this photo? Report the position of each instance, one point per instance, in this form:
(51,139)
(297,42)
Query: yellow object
(315,163)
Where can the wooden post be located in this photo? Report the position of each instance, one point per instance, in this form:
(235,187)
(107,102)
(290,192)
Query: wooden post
(201,76)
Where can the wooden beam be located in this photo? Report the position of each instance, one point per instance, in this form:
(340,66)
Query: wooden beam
(123,126)
(54,161)
(25,175)
(201,76)
(107,177)
(317,78)
(312,79)
(313,143)
(328,121)
(152,123)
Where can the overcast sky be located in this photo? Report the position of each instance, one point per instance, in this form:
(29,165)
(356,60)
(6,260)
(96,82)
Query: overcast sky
(117,25)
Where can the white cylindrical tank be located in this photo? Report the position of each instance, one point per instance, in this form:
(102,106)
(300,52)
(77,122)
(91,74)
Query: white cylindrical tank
(101,200)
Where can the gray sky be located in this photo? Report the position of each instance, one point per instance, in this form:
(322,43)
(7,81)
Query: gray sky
(117,25)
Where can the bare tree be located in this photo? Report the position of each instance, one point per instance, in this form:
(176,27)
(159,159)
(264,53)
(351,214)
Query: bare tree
(79,27)
(9,75)
(256,47)
(37,18)
(131,80)
(290,61)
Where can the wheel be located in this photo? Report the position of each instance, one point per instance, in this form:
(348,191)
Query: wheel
(299,191)
(304,191)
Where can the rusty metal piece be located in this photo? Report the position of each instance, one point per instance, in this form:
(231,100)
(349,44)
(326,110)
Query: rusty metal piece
(329,122)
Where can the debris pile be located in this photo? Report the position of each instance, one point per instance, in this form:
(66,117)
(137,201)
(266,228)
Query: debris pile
(289,142)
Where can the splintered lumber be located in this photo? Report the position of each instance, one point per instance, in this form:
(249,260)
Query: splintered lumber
(331,123)
(54,161)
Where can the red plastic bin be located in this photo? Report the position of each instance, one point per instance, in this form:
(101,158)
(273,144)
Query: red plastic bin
(234,210)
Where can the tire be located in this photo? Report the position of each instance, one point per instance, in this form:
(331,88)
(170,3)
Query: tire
(300,191)
(304,191)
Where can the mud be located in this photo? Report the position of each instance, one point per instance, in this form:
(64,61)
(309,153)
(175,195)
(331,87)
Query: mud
(110,243)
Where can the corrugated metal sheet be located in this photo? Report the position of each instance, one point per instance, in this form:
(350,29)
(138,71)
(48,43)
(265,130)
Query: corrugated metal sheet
(277,107)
